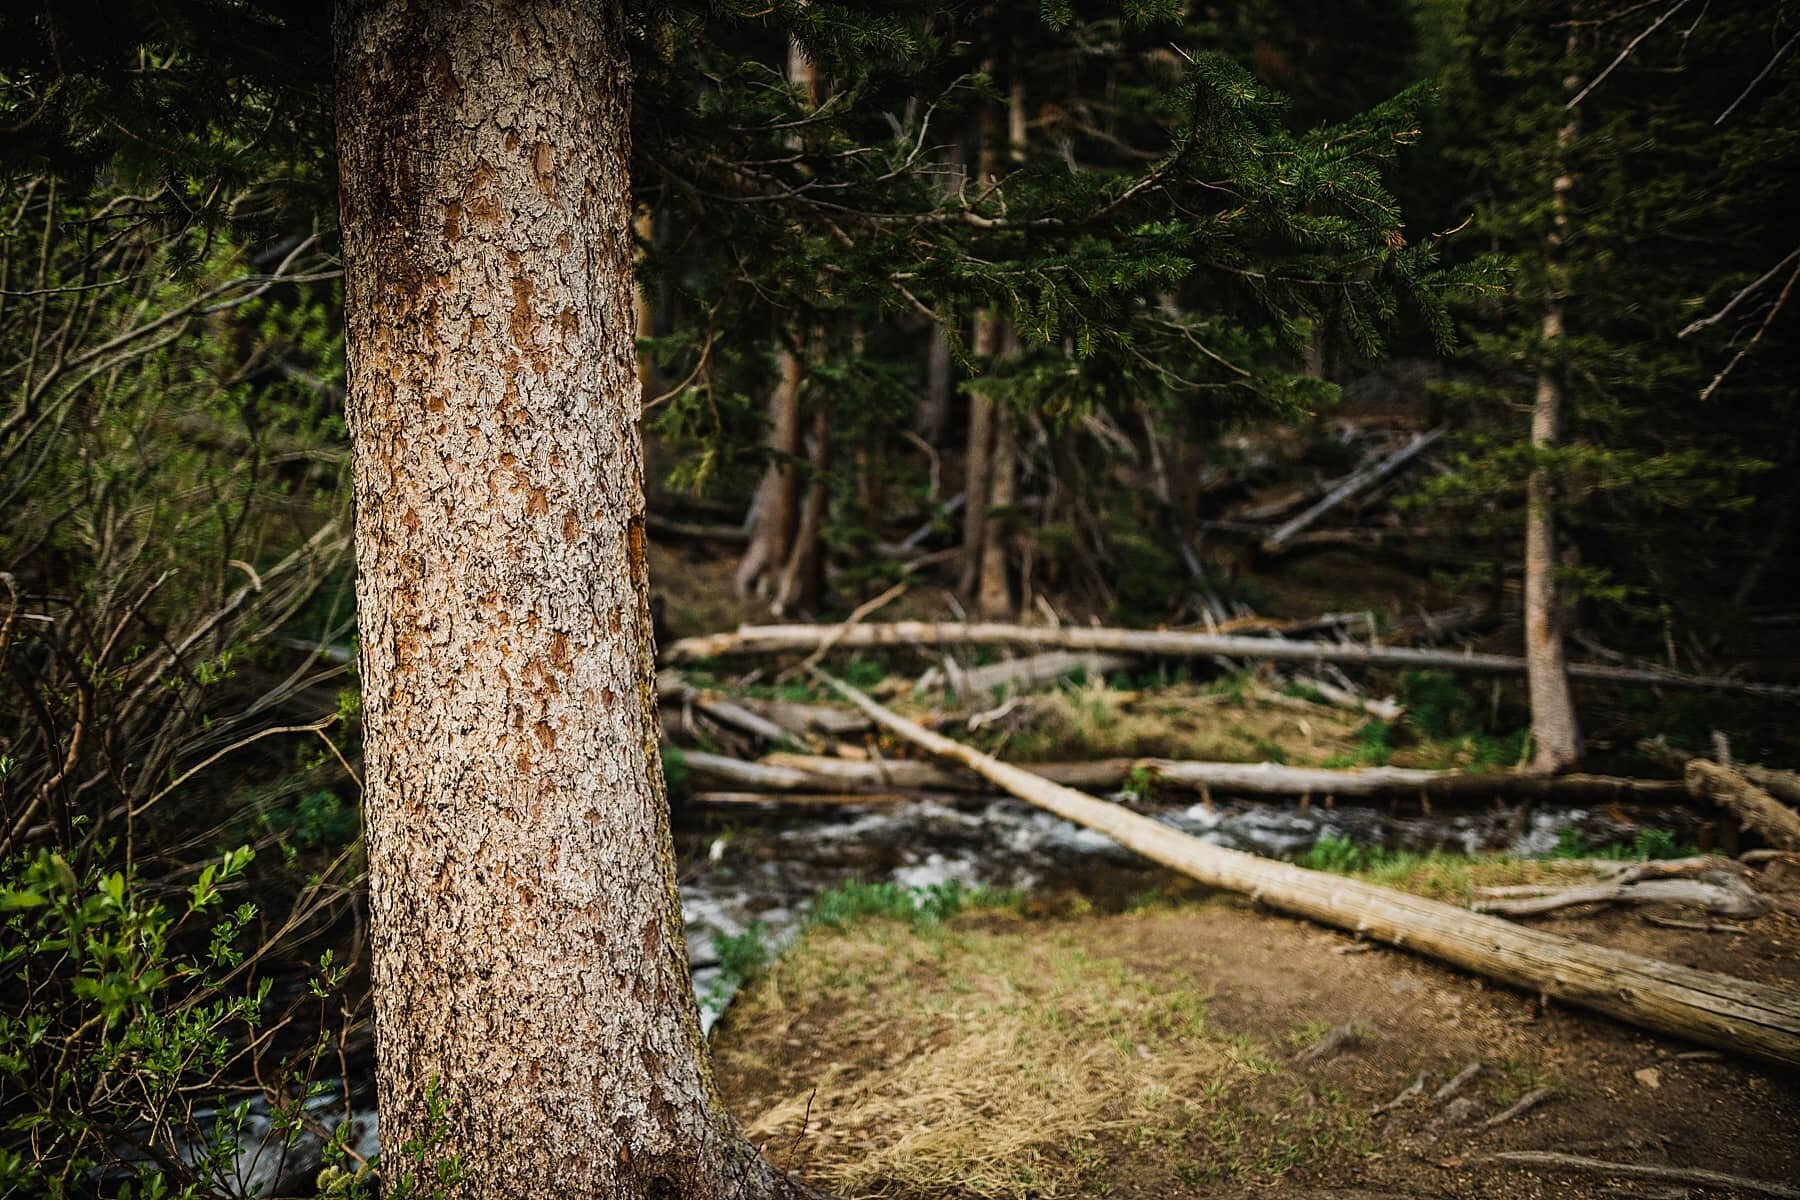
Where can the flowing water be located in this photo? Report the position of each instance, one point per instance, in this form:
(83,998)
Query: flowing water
(759,869)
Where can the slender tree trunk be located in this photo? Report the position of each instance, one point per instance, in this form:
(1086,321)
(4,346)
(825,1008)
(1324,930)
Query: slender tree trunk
(802,585)
(988,464)
(1555,734)
(940,386)
(772,544)
(940,369)
(994,598)
(978,456)
(778,502)
(527,952)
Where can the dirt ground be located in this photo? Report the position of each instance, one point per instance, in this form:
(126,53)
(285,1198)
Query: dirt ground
(829,1059)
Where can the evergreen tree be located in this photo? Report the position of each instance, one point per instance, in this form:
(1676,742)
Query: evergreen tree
(1631,166)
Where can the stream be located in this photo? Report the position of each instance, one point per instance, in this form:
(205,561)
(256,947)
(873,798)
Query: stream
(760,868)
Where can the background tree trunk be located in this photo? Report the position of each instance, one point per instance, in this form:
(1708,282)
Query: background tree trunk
(1555,734)
(803,579)
(978,456)
(777,506)
(994,598)
(768,561)
(527,955)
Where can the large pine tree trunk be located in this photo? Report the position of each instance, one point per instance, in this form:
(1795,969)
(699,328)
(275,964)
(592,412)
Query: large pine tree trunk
(527,951)
(1555,734)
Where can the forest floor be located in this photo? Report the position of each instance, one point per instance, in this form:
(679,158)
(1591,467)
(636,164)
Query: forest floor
(1163,1051)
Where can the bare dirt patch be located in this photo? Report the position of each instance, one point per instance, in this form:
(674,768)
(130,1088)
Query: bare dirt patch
(1164,1053)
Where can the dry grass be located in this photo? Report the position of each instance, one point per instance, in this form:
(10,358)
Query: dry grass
(992,1061)
(1218,723)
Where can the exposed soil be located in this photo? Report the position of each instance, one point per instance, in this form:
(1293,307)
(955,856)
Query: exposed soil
(1270,1123)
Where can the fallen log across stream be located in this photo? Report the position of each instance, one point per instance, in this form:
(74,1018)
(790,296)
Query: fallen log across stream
(820,773)
(1168,643)
(1738,1015)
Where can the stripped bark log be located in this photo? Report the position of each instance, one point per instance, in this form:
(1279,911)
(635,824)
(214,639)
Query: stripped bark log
(1272,779)
(1351,484)
(777,639)
(822,774)
(772,800)
(1732,1014)
(1034,670)
(1753,807)
(729,712)
(1720,893)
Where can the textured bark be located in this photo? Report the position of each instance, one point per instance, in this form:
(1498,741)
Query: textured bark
(527,953)
(1555,734)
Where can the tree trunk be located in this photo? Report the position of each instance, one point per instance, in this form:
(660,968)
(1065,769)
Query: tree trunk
(778,499)
(940,385)
(527,953)
(772,545)
(995,597)
(1555,734)
(802,585)
(978,460)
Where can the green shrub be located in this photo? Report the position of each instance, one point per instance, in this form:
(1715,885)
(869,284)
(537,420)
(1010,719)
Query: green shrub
(921,907)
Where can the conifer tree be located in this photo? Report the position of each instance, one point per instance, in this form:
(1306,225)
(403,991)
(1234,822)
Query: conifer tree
(1626,158)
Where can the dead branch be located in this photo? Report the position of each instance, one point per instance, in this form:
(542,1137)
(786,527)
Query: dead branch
(1553,1161)
(1350,485)
(1520,1107)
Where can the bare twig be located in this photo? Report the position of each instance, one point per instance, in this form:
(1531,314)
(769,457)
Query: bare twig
(1625,54)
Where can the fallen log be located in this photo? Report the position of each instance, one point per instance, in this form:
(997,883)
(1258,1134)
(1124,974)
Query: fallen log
(688,529)
(819,773)
(1034,670)
(1715,884)
(1783,785)
(1350,485)
(730,712)
(777,639)
(819,799)
(1732,1014)
(913,773)
(1274,779)
(1754,808)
